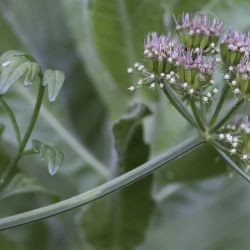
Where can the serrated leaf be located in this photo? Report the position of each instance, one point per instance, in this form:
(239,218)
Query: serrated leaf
(54,79)
(54,157)
(119,212)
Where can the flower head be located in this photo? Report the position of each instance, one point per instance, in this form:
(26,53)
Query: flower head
(241,81)
(162,49)
(198,30)
(234,46)
(195,69)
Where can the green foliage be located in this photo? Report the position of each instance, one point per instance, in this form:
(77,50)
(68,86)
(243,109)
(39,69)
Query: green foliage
(54,157)
(94,42)
(119,212)
(54,79)
(15,65)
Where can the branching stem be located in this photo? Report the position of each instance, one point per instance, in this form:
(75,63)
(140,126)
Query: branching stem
(11,168)
(196,115)
(219,105)
(227,116)
(179,106)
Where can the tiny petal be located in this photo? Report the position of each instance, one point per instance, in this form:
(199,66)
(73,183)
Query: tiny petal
(233,151)
(233,83)
(205,99)
(130,70)
(244,157)
(212,45)
(131,88)
(152,85)
(209,94)
(236,91)
(212,82)
(172,80)
(191,91)
(221,136)
(215,90)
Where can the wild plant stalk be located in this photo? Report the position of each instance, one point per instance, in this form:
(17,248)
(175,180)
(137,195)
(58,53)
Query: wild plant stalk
(184,70)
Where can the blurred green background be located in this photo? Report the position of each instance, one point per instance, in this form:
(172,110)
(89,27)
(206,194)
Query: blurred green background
(197,204)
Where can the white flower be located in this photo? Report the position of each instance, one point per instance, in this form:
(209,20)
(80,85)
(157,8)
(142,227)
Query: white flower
(172,80)
(131,88)
(221,136)
(130,70)
(191,91)
(215,90)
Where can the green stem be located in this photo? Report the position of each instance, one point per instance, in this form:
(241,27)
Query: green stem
(196,115)
(231,162)
(33,118)
(11,168)
(180,108)
(227,116)
(219,105)
(102,190)
(203,111)
(12,119)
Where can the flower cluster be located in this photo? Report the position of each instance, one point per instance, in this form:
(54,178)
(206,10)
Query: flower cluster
(185,68)
(238,78)
(234,46)
(188,71)
(199,31)
(235,138)
(196,70)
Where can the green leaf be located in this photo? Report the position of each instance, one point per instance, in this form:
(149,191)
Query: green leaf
(213,214)
(124,133)
(54,79)
(54,157)
(79,93)
(14,66)
(21,184)
(119,212)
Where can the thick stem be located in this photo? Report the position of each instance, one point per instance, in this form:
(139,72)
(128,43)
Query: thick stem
(227,116)
(11,168)
(102,190)
(180,108)
(196,115)
(12,119)
(219,105)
